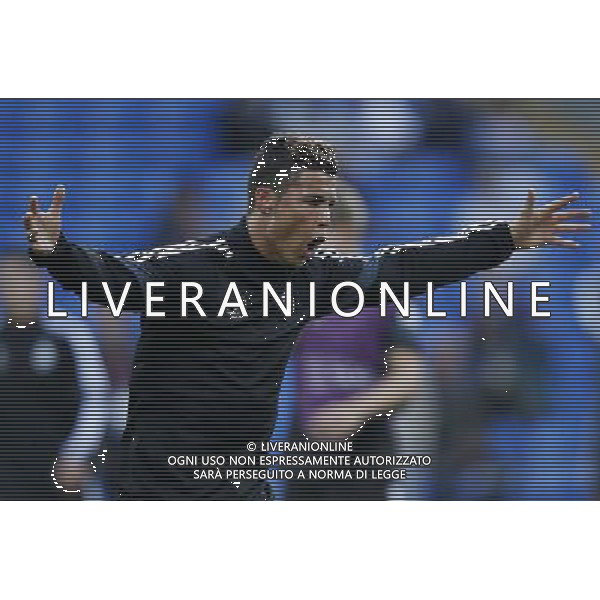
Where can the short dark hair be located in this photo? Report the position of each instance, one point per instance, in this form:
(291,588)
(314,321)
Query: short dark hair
(282,156)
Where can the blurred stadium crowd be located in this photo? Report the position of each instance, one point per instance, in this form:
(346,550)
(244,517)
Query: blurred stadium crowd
(507,408)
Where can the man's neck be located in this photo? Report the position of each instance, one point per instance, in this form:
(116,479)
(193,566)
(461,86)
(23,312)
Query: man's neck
(259,238)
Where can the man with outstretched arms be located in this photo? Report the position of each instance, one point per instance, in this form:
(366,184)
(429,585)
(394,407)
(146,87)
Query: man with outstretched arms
(207,383)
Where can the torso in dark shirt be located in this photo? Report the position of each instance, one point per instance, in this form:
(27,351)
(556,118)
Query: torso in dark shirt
(209,385)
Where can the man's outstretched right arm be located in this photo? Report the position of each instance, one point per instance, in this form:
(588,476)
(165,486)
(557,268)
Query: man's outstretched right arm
(70,264)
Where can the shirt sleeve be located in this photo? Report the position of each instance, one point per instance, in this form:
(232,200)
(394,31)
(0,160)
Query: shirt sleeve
(70,265)
(440,262)
(445,261)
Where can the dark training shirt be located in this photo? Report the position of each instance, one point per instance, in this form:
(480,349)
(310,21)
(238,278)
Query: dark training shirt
(209,385)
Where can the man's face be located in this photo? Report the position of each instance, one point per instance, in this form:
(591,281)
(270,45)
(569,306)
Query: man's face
(298,218)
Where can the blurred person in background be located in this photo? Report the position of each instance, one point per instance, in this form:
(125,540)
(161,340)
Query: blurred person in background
(116,338)
(510,366)
(53,384)
(512,141)
(587,310)
(362,379)
(183,217)
(488,434)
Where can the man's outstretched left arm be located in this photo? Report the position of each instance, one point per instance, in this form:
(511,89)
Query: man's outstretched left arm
(448,261)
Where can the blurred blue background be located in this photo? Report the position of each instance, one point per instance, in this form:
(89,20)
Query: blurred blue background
(140,173)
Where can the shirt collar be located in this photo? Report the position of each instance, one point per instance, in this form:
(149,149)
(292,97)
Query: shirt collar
(245,252)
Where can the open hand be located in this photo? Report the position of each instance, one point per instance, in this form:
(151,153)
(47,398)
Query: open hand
(543,226)
(44,226)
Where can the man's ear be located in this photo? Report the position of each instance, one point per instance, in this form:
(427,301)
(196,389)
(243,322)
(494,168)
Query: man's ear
(264,200)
